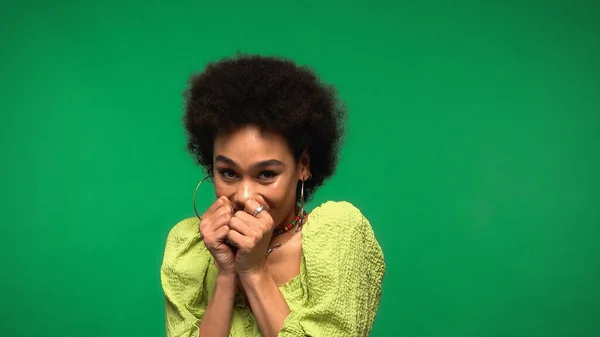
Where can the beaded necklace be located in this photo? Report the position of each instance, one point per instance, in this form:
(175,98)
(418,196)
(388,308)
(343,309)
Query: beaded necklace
(289,226)
(299,217)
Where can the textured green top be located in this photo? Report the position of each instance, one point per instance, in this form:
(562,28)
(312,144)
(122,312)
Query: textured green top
(336,293)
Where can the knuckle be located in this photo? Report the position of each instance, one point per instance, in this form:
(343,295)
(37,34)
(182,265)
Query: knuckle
(223,215)
(262,226)
(224,212)
(202,225)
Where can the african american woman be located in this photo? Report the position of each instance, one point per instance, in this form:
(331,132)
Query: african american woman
(256,262)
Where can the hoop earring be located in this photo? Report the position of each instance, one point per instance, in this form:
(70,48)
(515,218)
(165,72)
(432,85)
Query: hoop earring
(195,192)
(301,223)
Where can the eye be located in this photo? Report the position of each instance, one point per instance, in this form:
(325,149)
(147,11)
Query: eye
(227,174)
(266,175)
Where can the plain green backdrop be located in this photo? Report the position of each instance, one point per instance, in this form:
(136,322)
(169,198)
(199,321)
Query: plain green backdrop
(472,147)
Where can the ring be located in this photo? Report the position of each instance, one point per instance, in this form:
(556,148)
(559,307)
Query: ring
(258,210)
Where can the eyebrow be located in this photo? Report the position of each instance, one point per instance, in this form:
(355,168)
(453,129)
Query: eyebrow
(264,163)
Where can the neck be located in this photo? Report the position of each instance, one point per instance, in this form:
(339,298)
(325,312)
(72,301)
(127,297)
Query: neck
(289,217)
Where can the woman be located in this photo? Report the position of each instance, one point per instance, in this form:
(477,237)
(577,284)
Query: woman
(256,263)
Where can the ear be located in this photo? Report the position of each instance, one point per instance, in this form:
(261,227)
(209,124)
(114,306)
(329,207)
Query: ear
(304,166)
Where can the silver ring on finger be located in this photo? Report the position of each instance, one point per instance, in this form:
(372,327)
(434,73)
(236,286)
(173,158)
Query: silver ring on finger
(258,210)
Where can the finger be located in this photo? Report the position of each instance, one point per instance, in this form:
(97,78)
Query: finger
(237,239)
(247,218)
(225,209)
(251,205)
(254,228)
(217,238)
(263,216)
(217,221)
(240,226)
(220,202)
(221,234)
(226,201)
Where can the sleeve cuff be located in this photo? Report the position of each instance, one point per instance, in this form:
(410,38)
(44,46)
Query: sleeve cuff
(291,326)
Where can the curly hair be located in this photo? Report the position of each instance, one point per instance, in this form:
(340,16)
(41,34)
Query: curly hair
(273,94)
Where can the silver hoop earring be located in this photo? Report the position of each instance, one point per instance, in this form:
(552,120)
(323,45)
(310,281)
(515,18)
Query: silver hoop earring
(195,192)
(301,223)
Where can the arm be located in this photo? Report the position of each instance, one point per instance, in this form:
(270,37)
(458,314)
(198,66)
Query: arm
(252,235)
(216,320)
(192,286)
(217,317)
(344,269)
(268,305)
(184,270)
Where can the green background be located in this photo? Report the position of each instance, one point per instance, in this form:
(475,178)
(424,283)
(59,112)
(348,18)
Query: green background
(472,147)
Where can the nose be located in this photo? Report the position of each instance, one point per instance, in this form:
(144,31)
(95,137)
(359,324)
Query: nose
(244,191)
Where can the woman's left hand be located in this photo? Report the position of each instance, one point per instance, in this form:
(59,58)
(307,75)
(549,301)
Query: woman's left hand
(251,235)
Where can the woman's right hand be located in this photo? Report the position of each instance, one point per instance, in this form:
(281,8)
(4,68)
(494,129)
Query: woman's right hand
(214,228)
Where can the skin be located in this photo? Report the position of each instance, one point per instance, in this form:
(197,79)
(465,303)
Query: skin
(252,168)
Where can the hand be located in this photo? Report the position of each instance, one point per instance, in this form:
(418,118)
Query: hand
(214,229)
(251,235)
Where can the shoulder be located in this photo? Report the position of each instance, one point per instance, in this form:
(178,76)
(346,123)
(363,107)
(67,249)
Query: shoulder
(187,275)
(340,228)
(185,251)
(184,234)
(340,250)
(337,211)
(183,231)
(335,218)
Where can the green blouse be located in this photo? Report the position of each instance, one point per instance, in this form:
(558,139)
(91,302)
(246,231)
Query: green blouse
(336,293)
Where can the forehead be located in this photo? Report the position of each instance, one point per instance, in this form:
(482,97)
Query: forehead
(251,144)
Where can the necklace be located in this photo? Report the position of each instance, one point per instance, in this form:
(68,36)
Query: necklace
(289,226)
(297,220)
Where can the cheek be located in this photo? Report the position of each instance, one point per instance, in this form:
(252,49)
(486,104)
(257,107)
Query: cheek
(280,196)
(222,189)
(274,194)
